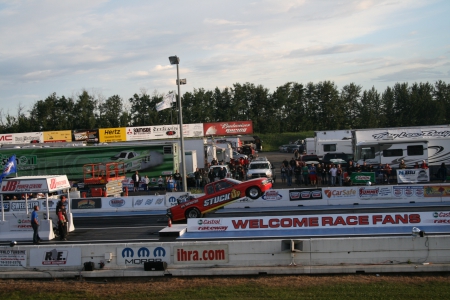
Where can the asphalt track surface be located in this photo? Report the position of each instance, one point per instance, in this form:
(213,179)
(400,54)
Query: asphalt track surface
(141,227)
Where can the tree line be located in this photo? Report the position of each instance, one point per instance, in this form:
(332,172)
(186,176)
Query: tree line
(293,107)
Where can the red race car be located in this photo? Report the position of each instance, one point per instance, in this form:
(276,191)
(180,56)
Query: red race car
(218,194)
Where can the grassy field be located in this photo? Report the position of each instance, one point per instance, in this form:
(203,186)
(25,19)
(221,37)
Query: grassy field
(272,141)
(421,286)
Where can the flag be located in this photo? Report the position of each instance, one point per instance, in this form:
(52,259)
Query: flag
(166,103)
(10,167)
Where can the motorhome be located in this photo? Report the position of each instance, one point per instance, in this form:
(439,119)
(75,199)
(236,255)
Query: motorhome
(411,144)
(339,141)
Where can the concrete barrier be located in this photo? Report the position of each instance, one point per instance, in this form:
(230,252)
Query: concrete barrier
(244,257)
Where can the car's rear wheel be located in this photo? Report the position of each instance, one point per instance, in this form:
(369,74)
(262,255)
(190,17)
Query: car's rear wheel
(193,213)
(254,192)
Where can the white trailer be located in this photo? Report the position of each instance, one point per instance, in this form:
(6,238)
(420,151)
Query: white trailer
(310,145)
(411,144)
(333,141)
(191,160)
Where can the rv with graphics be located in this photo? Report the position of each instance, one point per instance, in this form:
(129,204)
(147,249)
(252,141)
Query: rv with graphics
(411,144)
(336,141)
(48,159)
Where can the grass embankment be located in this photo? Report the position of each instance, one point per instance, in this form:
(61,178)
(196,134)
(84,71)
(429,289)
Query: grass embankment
(265,287)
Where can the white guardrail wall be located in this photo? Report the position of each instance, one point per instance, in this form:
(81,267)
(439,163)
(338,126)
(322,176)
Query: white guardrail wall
(276,256)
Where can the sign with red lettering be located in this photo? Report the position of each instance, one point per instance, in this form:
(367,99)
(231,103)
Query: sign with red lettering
(26,184)
(320,221)
(228,128)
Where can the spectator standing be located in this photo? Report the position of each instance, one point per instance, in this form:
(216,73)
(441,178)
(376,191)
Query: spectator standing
(170,184)
(319,174)
(340,174)
(313,174)
(283,173)
(211,175)
(289,173)
(177,177)
(424,165)
(333,172)
(147,183)
(161,183)
(136,180)
(198,178)
(305,173)
(35,225)
(62,222)
(298,174)
(402,165)
(442,172)
(387,172)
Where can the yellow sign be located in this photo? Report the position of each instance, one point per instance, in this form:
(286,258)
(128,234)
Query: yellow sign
(57,136)
(108,135)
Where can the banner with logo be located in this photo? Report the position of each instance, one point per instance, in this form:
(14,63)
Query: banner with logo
(199,254)
(362,177)
(55,257)
(13,258)
(117,202)
(228,128)
(341,193)
(374,192)
(407,191)
(308,222)
(109,135)
(436,191)
(139,255)
(413,175)
(305,194)
(87,203)
(57,136)
(38,185)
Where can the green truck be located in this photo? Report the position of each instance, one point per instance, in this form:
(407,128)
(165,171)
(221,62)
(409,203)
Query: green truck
(43,159)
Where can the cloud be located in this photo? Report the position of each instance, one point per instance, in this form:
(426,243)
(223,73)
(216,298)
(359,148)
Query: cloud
(321,50)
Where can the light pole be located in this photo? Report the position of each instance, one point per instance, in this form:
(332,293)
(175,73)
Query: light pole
(175,60)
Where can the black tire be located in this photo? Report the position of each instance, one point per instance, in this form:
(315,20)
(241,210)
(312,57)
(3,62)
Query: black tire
(254,192)
(193,213)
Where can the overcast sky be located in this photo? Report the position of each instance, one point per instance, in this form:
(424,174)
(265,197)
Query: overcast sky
(122,47)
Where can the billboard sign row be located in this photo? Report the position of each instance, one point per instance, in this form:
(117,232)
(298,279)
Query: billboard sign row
(123,134)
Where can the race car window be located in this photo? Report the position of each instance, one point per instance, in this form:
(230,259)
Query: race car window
(209,189)
(222,185)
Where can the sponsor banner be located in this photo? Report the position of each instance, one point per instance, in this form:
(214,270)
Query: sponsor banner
(197,254)
(362,177)
(87,203)
(193,130)
(339,193)
(21,223)
(13,258)
(89,136)
(366,220)
(166,131)
(436,191)
(375,192)
(21,138)
(57,136)
(272,195)
(407,191)
(440,217)
(305,194)
(20,205)
(117,202)
(39,185)
(56,257)
(139,133)
(108,135)
(139,255)
(147,202)
(228,128)
(413,175)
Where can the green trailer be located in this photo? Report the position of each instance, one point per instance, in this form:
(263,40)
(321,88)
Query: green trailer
(149,159)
